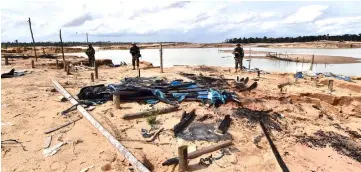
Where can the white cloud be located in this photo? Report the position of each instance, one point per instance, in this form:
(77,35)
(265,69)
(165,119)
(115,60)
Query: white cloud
(306,14)
(119,21)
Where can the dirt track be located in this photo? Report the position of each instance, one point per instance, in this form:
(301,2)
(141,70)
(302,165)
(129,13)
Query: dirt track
(29,108)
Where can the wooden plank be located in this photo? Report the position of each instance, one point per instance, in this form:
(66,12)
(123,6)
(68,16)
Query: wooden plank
(121,149)
(161,58)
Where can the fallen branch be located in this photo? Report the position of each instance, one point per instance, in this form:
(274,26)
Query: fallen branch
(155,135)
(121,149)
(62,126)
(14,142)
(150,112)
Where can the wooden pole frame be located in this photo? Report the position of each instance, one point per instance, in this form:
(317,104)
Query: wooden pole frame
(32,36)
(161,58)
(62,49)
(121,149)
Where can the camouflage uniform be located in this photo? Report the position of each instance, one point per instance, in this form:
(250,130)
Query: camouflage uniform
(90,52)
(135,52)
(238,57)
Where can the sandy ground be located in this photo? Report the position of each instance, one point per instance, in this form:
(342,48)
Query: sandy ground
(29,108)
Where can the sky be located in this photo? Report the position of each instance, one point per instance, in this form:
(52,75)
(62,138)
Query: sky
(181,21)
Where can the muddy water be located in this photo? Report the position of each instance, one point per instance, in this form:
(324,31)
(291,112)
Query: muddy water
(212,57)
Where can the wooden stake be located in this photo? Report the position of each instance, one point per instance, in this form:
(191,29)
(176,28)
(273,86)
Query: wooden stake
(96,69)
(43,51)
(32,64)
(121,149)
(62,50)
(87,38)
(116,101)
(32,36)
(183,156)
(138,73)
(68,68)
(6,60)
(92,77)
(199,152)
(330,85)
(161,58)
(313,58)
(57,63)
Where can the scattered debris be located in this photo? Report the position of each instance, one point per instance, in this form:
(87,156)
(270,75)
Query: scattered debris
(106,167)
(87,168)
(203,132)
(12,141)
(47,141)
(198,153)
(155,135)
(53,150)
(340,143)
(6,124)
(204,117)
(13,73)
(145,133)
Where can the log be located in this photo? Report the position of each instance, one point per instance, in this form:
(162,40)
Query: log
(150,112)
(121,149)
(198,153)
(182,154)
(32,64)
(62,126)
(32,36)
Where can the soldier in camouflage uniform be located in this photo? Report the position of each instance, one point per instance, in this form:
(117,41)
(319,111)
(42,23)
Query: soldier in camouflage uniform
(90,52)
(238,56)
(135,52)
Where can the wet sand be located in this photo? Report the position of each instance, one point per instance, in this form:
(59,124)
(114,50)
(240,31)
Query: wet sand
(30,107)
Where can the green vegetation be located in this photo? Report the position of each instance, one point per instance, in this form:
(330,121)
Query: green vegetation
(345,37)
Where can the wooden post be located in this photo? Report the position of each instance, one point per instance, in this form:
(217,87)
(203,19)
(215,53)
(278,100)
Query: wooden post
(32,64)
(183,156)
(116,101)
(57,63)
(249,64)
(330,85)
(6,60)
(161,58)
(68,68)
(87,38)
(258,73)
(92,77)
(138,73)
(313,58)
(32,36)
(96,69)
(62,49)
(43,51)
(109,137)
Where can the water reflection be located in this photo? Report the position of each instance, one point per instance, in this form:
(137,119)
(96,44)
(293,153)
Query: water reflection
(213,57)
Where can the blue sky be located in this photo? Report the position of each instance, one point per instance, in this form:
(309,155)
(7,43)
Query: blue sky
(188,21)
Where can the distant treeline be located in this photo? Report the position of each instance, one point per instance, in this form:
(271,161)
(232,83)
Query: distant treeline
(345,37)
(67,44)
